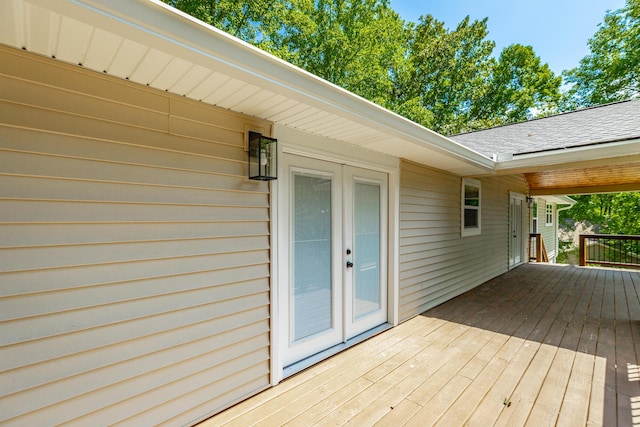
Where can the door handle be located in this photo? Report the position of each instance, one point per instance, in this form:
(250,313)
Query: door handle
(349,264)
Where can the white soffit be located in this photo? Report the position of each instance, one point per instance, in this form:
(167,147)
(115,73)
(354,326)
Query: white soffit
(560,200)
(148,42)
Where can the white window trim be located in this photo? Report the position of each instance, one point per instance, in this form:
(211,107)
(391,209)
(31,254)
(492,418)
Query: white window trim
(548,214)
(475,230)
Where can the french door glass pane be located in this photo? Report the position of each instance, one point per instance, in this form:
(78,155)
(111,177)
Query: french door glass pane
(366,207)
(517,244)
(312,287)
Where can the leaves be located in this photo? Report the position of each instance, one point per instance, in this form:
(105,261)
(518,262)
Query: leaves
(518,84)
(245,20)
(354,44)
(611,213)
(611,71)
(456,77)
(448,70)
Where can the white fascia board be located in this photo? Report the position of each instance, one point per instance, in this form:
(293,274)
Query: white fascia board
(159,26)
(571,156)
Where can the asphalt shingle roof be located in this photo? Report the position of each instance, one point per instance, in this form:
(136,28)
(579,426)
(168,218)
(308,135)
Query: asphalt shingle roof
(618,121)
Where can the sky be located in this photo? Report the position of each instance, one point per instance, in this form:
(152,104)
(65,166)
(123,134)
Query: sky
(558,30)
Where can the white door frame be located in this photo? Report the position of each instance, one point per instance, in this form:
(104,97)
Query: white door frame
(523,220)
(351,176)
(292,141)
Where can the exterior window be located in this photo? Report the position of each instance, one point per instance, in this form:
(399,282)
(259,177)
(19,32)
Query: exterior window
(471,202)
(549,215)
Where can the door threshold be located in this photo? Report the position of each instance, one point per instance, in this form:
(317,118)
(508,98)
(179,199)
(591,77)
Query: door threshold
(511,267)
(325,354)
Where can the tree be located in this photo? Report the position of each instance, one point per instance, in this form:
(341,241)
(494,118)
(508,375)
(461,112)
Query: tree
(258,22)
(519,84)
(611,71)
(355,44)
(453,75)
(617,213)
(625,217)
(447,71)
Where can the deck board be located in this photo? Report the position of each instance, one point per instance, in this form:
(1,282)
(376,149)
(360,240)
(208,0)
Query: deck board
(539,345)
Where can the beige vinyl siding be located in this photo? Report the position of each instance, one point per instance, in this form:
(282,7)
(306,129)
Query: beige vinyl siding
(134,253)
(436,263)
(548,232)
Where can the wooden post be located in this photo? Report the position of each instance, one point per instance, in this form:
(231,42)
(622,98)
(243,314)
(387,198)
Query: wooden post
(583,251)
(543,250)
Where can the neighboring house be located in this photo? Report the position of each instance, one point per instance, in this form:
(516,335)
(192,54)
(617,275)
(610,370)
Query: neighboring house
(144,279)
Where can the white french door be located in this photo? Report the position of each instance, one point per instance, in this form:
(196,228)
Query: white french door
(365,242)
(516,224)
(336,235)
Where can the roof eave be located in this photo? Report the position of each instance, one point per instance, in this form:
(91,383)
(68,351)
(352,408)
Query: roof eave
(611,153)
(160,26)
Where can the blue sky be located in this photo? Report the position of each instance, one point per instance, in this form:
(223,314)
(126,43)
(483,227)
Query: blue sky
(558,30)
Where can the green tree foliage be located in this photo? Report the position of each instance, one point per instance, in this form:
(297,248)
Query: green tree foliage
(611,71)
(355,44)
(447,71)
(258,22)
(617,213)
(519,82)
(453,75)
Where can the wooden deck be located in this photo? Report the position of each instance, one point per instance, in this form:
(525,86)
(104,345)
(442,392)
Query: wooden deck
(541,345)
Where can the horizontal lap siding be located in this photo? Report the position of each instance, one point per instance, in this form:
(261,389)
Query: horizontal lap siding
(436,264)
(134,253)
(548,232)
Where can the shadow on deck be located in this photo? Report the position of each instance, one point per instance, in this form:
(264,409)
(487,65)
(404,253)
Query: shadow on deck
(540,345)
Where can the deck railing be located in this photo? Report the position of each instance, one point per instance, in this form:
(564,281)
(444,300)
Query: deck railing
(610,250)
(537,251)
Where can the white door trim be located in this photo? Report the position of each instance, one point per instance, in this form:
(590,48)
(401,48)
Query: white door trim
(296,166)
(524,236)
(351,176)
(293,141)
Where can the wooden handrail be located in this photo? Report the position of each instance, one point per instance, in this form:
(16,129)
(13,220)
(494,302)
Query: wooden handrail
(541,250)
(612,236)
(602,249)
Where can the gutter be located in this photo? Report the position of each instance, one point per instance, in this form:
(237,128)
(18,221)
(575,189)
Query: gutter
(571,155)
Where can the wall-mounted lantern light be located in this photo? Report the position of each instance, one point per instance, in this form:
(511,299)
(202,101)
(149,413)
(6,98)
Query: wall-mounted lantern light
(529,200)
(262,157)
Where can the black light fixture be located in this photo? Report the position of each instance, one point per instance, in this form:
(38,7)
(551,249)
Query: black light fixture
(262,157)
(529,200)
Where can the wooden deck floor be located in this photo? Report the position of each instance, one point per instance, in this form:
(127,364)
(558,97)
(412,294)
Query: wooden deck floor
(541,345)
